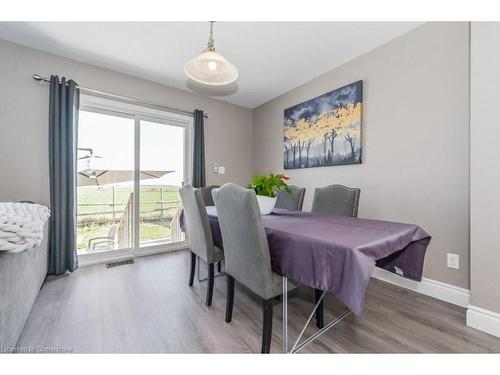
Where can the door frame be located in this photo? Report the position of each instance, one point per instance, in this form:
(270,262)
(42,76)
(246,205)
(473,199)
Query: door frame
(98,104)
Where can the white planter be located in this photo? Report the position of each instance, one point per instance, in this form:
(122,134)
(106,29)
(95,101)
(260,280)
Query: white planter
(266,204)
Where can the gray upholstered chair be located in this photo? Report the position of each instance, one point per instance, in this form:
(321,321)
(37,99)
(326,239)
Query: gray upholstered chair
(337,200)
(246,252)
(206,194)
(293,200)
(200,236)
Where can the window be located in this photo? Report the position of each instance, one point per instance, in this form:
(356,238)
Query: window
(132,160)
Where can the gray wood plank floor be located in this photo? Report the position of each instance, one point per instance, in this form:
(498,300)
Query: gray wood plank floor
(148,307)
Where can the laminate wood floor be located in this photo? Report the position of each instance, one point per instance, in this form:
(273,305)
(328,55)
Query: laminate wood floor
(148,307)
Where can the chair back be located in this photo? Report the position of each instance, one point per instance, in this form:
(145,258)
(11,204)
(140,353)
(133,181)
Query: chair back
(112,231)
(246,251)
(206,194)
(337,200)
(293,200)
(198,226)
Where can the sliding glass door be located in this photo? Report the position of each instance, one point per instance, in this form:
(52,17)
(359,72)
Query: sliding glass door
(131,163)
(104,192)
(162,155)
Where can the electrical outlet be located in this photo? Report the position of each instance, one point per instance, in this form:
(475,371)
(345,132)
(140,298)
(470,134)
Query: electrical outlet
(221,170)
(453,261)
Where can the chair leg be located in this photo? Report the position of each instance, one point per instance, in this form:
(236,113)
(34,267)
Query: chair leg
(193,266)
(210,286)
(319,310)
(219,267)
(267,325)
(229,298)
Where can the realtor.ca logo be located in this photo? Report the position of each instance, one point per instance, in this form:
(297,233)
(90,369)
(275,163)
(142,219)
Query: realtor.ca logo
(33,349)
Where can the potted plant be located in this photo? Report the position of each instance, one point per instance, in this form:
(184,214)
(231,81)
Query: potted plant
(267,188)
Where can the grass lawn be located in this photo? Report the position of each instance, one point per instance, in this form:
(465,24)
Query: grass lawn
(95,208)
(155,231)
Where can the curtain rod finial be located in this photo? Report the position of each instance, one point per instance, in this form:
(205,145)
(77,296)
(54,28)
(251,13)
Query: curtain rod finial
(36,77)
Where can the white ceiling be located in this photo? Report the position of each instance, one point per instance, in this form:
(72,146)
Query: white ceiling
(272,57)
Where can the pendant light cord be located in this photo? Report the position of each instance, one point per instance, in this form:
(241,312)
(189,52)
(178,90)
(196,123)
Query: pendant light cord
(211,43)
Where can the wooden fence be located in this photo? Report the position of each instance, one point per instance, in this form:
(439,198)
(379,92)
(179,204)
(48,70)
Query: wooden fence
(121,214)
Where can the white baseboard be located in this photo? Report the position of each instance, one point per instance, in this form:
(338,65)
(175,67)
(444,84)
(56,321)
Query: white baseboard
(483,320)
(436,289)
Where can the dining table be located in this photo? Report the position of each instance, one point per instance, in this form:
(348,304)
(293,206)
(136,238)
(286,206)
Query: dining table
(335,254)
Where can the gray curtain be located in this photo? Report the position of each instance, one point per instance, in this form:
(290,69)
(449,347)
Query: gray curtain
(199,150)
(63,125)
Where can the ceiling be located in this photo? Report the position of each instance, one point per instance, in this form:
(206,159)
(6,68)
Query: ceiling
(272,57)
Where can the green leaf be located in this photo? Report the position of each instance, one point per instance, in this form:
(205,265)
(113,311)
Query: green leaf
(268,185)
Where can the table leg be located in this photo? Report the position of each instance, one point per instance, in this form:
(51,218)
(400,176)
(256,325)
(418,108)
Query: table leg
(299,345)
(205,277)
(285,314)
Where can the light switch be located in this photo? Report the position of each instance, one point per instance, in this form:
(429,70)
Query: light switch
(216,168)
(453,261)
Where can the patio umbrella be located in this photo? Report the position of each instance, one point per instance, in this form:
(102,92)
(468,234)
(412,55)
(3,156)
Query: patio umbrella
(100,177)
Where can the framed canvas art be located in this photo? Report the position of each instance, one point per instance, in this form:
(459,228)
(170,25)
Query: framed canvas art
(326,130)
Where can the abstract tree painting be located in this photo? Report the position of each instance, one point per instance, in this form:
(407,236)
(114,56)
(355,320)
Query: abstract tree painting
(326,130)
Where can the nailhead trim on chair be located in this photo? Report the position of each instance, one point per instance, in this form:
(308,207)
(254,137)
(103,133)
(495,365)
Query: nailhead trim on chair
(301,198)
(356,195)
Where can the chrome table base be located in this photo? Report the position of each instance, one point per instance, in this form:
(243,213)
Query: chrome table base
(299,345)
(205,277)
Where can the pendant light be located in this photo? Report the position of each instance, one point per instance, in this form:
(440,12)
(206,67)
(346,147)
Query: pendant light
(210,67)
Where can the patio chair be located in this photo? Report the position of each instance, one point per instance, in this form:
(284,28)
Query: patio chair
(104,242)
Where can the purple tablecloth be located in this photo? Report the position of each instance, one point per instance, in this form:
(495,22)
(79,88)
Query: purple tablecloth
(338,254)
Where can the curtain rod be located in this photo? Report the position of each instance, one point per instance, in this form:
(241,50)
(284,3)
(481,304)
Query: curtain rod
(39,78)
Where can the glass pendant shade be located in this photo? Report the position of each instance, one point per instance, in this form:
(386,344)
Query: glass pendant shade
(211,68)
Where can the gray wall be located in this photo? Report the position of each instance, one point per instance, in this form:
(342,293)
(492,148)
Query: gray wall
(485,166)
(415,139)
(24,120)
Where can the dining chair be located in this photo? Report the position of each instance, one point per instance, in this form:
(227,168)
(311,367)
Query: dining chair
(337,200)
(206,194)
(292,200)
(246,251)
(200,236)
